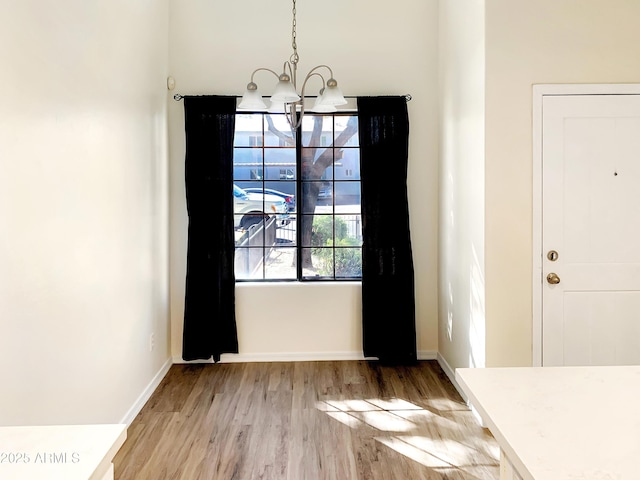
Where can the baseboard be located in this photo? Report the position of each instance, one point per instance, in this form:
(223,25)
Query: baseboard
(452,377)
(449,372)
(146,394)
(427,355)
(296,357)
(279,357)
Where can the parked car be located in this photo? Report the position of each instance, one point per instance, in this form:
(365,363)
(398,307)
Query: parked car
(326,190)
(289,199)
(250,208)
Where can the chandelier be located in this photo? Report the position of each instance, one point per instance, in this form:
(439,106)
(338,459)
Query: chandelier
(285,97)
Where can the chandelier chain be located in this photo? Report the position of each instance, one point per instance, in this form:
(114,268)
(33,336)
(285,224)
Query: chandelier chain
(294,45)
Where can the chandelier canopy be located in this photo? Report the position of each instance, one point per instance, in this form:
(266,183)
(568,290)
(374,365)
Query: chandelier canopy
(285,97)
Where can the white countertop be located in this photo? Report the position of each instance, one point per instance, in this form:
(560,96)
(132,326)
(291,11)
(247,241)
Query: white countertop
(66,452)
(561,423)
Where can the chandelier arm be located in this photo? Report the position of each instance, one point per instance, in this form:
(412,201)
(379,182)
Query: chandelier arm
(321,66)
(292,115)
(292,66)
(263,69)
(307,78)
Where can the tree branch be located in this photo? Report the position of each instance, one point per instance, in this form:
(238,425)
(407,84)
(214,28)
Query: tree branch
(285,138)
(318,121)
(326,158)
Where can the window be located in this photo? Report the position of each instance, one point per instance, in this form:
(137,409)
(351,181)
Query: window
(301,219)
(287,174)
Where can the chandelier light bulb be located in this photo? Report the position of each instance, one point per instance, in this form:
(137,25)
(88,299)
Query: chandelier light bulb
(320,106)
(332,94)
(252,100)
(285,91)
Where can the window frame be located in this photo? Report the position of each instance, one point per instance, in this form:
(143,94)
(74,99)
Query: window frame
(300,276)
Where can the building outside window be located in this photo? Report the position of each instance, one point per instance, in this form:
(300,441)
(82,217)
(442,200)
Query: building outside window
(301,219)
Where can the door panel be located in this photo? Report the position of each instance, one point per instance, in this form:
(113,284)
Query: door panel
(600,320)
(591,217)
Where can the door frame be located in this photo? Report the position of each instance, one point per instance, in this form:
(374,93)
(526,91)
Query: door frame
(539,92)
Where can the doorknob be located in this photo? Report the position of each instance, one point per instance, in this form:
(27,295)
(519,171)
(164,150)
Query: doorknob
(553,279)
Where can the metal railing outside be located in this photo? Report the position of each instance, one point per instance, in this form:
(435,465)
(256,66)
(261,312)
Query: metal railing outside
(253,247)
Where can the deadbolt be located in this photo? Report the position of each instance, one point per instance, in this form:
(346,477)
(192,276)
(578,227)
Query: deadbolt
(552,255)
(553,279)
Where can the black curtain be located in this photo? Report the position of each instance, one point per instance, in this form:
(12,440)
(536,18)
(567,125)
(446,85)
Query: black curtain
(209,311)
(388,294)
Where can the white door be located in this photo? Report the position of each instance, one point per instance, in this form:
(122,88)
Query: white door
(591,220)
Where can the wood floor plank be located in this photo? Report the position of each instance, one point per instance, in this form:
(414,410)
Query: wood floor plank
(338,420)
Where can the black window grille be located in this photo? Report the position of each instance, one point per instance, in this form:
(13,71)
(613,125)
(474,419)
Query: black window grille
(300,219)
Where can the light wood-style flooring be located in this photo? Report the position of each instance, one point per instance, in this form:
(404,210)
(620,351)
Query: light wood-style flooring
(343,420)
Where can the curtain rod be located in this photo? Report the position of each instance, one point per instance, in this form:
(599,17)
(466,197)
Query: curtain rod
(177,97)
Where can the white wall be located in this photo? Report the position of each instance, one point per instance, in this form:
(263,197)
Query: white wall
(520,43)
(546,41)
(461,325)
(84,176)
(374,48)
(83,207)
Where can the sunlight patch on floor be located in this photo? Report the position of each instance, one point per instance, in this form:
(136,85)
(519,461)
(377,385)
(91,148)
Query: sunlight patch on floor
(398,418)
(414,453)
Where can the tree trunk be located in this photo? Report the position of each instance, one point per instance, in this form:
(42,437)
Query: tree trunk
(312,169)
